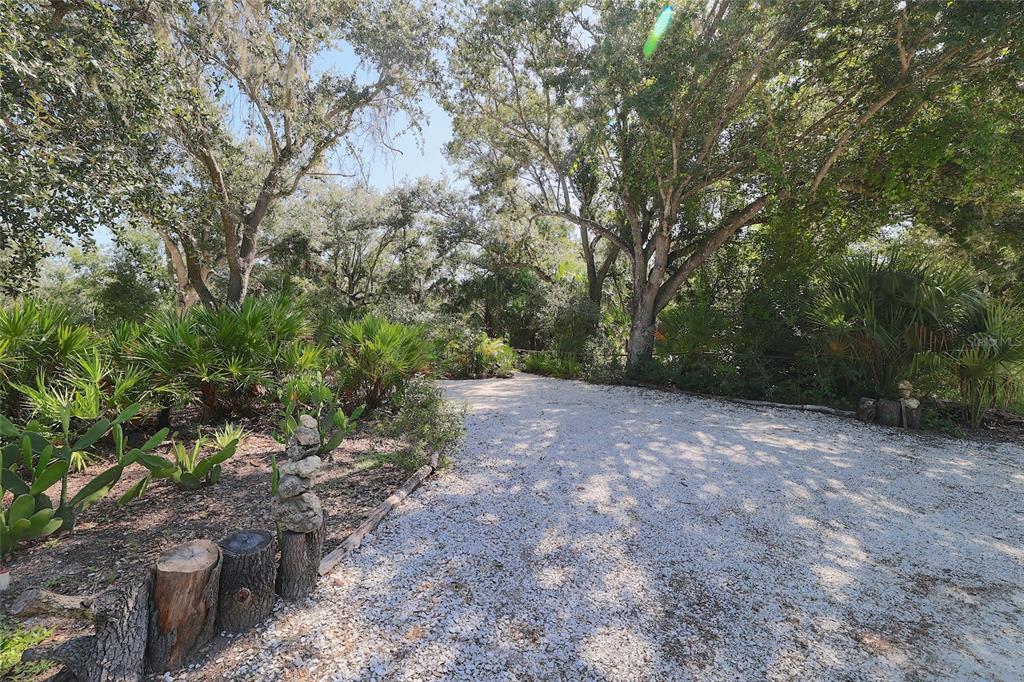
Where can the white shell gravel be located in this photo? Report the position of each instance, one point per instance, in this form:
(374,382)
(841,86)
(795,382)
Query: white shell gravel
(612,533)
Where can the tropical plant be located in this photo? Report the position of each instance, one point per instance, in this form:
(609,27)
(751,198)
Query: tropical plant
(468,354)
(226,358)
(552,364)
(227,434)
(882,311)
(375,357)
(189,469)
(311,395)
(32,464)
(36,338)
(988,362)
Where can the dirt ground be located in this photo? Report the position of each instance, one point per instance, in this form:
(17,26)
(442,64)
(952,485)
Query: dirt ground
(112,543)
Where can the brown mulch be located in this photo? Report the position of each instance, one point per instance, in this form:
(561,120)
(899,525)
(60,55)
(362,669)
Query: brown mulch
(111,543)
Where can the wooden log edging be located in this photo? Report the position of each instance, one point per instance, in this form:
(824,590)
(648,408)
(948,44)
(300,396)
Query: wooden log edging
(352,542)
(821,409)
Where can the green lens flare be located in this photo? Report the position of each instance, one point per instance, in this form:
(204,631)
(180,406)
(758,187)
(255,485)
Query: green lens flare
(657,31)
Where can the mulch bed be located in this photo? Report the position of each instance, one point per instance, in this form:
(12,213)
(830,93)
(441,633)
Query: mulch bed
(112,543)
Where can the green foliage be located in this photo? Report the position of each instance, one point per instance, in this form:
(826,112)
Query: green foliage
(190,469)
(14,640)
(988,360)
(32,464)
(881,311)
(313,396)
(375,357)
(469,354)
(227,434)
(420,426)
(80,92)
(226,359)
(552,364)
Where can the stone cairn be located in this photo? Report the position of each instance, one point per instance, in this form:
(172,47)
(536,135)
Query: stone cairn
(904,412)
(298,511)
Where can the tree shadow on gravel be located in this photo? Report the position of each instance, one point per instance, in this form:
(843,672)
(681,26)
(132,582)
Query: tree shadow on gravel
(592,532)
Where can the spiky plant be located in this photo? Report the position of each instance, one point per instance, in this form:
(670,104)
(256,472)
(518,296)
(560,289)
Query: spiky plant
(375,357)
(882,311)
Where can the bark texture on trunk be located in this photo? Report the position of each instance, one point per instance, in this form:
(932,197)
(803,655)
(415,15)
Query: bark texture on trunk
(116,651)
(640,346)
(247,579)
(186,583)
(300,563)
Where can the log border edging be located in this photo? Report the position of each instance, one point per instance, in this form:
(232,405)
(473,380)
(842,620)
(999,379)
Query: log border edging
(355,538)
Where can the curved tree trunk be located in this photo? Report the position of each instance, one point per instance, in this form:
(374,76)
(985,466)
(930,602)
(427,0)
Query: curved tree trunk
(300,563)
(247,579)
(186,582)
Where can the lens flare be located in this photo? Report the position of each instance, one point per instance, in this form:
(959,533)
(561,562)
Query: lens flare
(657,31)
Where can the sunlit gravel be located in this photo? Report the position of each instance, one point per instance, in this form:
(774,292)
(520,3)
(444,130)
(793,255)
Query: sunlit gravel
(610,533)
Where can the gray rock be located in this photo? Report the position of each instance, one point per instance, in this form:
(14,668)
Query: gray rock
(299,514)
(303,468)
(306,436)
(309,422)
(294,452)
(290,486)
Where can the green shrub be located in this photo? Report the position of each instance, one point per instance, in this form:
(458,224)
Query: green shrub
(36,340)
(881,311)
(229,358)
(374,358)
(549,363)
(988,360)
(474,355)
(420,426)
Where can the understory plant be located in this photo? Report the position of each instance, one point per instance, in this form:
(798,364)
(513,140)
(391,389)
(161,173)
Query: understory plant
(475,355)
(420,427)
(881,311)
(552,364)
(374,358)
(312,395)
(190,469)
(226,359)
(34,463)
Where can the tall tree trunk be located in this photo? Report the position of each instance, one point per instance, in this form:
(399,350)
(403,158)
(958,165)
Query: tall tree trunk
(640,346)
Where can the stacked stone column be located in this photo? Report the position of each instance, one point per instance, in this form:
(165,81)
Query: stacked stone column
(298,511)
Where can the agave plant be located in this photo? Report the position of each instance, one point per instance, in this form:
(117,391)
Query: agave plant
(189,469)
(882,311)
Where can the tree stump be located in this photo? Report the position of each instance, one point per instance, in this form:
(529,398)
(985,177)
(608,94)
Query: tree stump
(889,412)
(300,562)
(247,579)
(116,652)
(866,410)
(186,581)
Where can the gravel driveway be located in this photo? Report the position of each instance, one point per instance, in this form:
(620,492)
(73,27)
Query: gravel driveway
(590,532)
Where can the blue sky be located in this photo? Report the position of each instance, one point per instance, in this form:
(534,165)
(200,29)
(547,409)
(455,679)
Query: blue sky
(417,154)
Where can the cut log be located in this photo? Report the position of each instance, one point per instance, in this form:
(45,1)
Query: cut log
(247,579)
(300,559)
(866,410)
(889,412)
(186,581)
(116,652)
